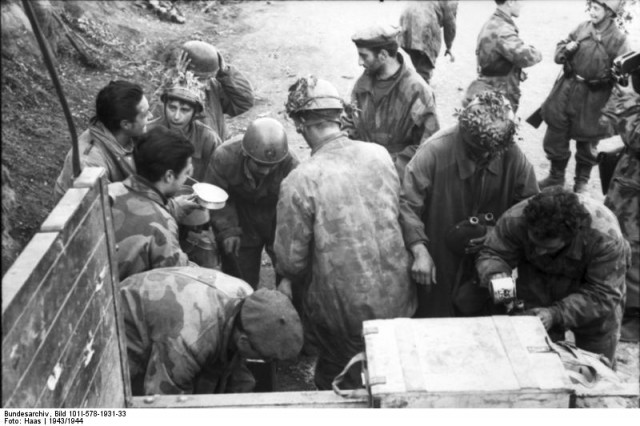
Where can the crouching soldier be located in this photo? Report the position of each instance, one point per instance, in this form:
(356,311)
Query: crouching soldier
(571,258)
(190,329)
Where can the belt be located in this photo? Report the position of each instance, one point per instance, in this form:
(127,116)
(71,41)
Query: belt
(593,83)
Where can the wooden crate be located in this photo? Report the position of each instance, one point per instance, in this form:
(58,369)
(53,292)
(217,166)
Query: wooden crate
(496,362)
(61,327)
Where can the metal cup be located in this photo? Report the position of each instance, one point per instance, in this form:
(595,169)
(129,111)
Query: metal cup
(503,290)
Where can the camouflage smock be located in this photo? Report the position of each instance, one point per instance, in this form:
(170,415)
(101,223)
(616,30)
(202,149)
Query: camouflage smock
(402,117)
(572,104)
(421,24)
(146,233)
(338,230)
(623,197)
(205,141)
(97,148)
(583,285)
(443,186)
(228,93)
(178,323)
(250,211)
(501,54)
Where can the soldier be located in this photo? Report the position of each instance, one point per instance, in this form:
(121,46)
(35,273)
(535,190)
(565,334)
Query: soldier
(227,90)
(623,197)
(190,329)
(392,105)
(122,111)
(183,99)
(571,259)
(472,170)
(182,96)
(250,168)
(501,55)
(338,237)
(573,108)
(421,37)
(146,232)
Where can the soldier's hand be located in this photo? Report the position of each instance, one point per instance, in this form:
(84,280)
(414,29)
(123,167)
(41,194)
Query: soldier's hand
(186,204)
(183,61)
(285,288)
(544,314)
(423,269)
(232,245)
(222,65)
(475,244)
(572,46)
(451,57)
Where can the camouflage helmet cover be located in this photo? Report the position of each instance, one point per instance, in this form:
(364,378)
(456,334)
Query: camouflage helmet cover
(182,85)
(312,93)
(488,123)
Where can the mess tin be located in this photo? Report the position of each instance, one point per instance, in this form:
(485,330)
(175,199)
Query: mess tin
(197,217)
(210,196)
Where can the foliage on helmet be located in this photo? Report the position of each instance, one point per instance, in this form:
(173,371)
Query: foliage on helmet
(182,84)
(302,97)
(489,122)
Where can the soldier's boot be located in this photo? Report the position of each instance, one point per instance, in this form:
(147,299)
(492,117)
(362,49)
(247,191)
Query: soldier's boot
(556,174)
(583,172)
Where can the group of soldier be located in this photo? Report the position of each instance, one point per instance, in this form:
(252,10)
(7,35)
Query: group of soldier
(390,217)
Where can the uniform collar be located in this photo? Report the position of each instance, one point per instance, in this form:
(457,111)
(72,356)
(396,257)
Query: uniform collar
(508,18)
(327,139)
(367,82)
(142,186)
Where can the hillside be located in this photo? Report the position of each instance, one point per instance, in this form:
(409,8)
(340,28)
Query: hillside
(125,41)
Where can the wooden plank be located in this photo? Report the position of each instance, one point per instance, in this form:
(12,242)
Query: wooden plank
(93,330)
(106,389)
(69,206)
(115,287)
(43,330)
(90,177)
(525,399)
(517,354)
(309,399)
(27,284)
(34,262)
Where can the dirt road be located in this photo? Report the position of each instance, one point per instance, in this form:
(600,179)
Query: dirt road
(276,42)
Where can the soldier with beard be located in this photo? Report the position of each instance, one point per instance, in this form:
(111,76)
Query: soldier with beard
(392,105)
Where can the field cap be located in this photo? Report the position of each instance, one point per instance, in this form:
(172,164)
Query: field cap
(272,324)
(376,36)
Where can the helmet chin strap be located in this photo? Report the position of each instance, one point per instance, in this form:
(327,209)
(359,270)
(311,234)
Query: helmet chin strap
(302,125)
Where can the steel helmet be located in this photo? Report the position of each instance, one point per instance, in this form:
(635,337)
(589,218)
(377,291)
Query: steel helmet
(613,5)
(312,93)
(182,85)
(192,96)
(265,141)
(204,58)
